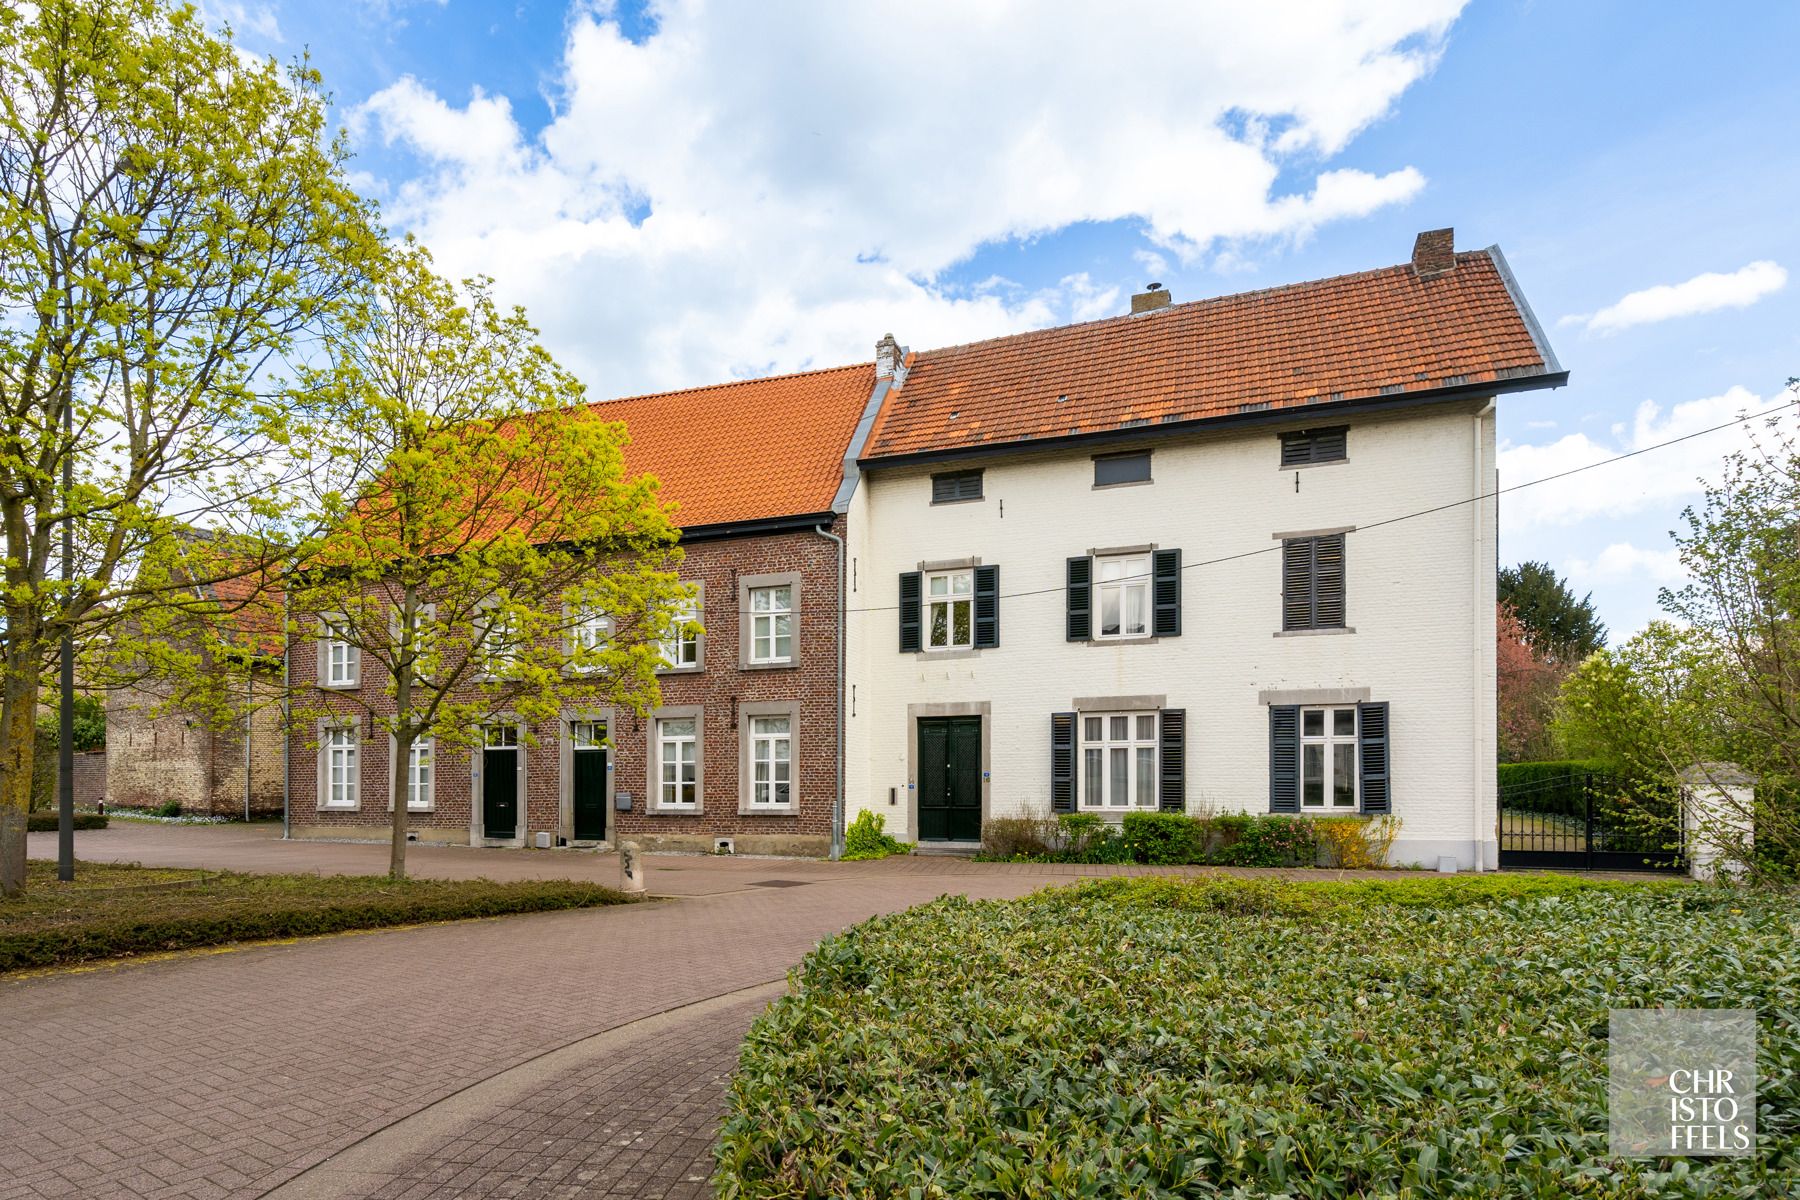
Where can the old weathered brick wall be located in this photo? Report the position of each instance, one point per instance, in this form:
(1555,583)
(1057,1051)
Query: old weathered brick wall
(152,759)
(90,778)
(719,691)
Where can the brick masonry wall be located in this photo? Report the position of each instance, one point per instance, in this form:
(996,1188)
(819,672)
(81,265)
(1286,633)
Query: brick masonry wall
(155,758)
(90,778)
(719,691)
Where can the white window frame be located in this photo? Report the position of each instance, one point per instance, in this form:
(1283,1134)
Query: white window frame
(421,774)
(1140,779)
(495,663)
(948,602)
(330,676)
(590,629)
(764,791)
(1327,742)
(1120,590)
(338,744)
(681,640)
(665,740)
(765,619)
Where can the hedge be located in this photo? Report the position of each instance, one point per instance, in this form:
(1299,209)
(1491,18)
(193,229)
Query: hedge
(1170,1037)
(46,822)
(54,924)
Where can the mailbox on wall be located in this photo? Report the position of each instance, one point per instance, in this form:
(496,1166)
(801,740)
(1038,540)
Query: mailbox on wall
(622,801)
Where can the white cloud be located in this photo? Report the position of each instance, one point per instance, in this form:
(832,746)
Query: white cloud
(754,189)
(1622,560)
(1660,479)
(1701,294)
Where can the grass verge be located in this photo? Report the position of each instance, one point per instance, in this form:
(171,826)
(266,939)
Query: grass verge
(112,910)
(1165,1037)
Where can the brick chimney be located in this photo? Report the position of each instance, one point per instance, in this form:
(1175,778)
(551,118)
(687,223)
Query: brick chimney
(1434,253)
(887,357)
(1151,298)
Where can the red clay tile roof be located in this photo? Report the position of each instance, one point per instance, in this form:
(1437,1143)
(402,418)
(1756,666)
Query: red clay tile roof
(748,450)
(1350,337)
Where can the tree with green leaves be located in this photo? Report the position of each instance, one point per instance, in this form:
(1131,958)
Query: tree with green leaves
(174,224)
(1558,627)
(499,563)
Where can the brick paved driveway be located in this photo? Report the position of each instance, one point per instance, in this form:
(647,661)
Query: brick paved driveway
(449,1060)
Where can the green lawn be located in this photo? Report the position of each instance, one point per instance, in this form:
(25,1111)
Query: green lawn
(1137,1038)
(112,909)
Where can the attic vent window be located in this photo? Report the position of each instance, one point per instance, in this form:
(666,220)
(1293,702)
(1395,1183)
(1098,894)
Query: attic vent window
(1336,396)
(1129,422)
(949,487)
(1455,380)
(1391,389)
(1062,399)
(1259,406)
(1305,447)
(1113,469)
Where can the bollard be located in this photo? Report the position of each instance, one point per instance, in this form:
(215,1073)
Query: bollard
(631,869)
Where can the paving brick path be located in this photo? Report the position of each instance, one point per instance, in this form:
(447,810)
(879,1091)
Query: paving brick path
(229,1074)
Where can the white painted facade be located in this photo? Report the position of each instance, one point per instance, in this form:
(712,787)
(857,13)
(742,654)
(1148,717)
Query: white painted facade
(1419,597)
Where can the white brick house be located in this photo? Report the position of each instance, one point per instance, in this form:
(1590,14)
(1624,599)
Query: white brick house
(1231,555)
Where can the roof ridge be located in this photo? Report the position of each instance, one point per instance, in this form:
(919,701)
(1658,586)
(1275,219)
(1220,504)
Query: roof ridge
(1188,304)
(732,383)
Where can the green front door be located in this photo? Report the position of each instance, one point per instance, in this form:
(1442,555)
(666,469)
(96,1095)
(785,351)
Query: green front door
(500,792)
(590,795)
(949,779)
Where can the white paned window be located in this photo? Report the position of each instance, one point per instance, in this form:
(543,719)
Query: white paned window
(590,634)
(772,624)
(501,737)
(950,610)
(772,761)
(676,756)
(1122,595)
(343,661)
(343,779)
(587,735)
(1328,775)
(1118,760)
(682,647)
(499,643)
(418,774)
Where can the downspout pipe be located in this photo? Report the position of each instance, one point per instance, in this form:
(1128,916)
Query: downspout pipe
(287,729)
(1483,710)
(837,801)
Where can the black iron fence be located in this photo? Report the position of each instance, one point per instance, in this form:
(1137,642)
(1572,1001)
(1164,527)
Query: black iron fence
(1590,820)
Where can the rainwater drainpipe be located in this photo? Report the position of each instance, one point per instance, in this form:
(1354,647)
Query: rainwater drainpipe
(287,732)
(1484,698)
(837,802)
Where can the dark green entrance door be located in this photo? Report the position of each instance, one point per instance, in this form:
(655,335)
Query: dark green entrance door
(500,792)
(590,795)
(949,779)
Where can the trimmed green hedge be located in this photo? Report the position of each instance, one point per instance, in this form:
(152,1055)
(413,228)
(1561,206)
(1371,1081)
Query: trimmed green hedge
(1168,1037)
(46,822)
(137,911)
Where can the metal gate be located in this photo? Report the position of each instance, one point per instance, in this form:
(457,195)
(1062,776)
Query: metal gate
(1587,820)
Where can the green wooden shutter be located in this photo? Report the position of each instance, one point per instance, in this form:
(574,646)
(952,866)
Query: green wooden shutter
(1062,762)
(987,606)
(1328,582)
(1372,731)
(1165,593)
(1081,599)
(1284,758)
(1296,583)
(910,623)
(1171,758)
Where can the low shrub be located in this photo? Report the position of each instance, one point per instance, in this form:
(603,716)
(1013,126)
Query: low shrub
(1422,1037)
(1271,840)
(1356,843)
(171,808)
(1089,838)
(46,822)
(867,837)
(1017,839)
(1165,839)
(114,910)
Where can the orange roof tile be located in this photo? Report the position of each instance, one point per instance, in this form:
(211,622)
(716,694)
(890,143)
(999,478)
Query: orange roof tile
(1350,337)
(748,450)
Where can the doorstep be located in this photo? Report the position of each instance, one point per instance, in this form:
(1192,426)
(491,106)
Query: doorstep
(948,849)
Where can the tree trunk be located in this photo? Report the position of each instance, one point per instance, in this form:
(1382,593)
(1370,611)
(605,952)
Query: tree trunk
(403,743)
(404,731)
(18,743)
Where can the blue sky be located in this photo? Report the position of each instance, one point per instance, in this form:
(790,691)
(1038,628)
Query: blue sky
(687,192)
